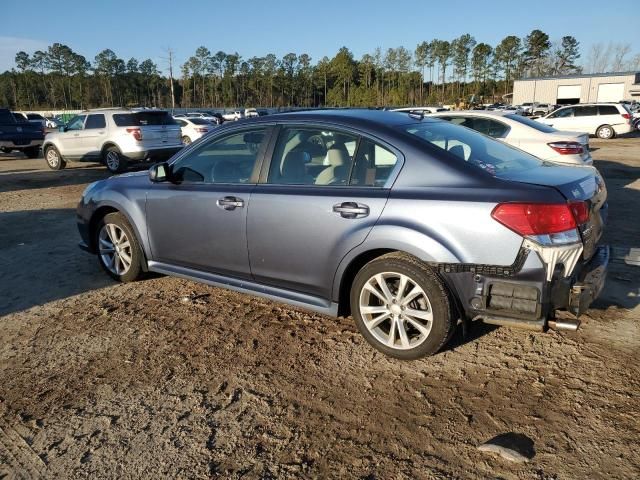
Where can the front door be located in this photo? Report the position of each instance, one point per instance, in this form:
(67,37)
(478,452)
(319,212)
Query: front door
(324,192)
(93,136)
(70,139)
(198,220)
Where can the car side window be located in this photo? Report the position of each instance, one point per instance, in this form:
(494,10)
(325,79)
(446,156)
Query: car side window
(585,111)
(490,127)
(607,110)
(312,156)
(464,121)
(230,159)
(373,164)
(76,123)
(95,121)
(562,113)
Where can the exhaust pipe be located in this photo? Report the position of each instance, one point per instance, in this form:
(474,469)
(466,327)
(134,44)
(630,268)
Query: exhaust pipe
(568,325)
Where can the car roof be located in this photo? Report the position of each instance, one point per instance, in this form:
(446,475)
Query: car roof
(479,113)
(348,116)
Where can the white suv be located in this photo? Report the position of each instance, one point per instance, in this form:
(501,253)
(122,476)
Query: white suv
(604,120)
(115,137)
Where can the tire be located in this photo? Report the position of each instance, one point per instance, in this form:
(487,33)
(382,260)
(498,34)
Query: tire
(186,140)
(605,132)
(114,160)
(32,152)
(53,158)
(6,149)
(119,252)
(422,332)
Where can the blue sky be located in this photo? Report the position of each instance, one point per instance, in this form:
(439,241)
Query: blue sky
(143,29)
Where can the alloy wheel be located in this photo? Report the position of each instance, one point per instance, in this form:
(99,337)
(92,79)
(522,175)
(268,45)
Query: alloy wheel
(113,160)
(115,249)
(396,310)
(53,159)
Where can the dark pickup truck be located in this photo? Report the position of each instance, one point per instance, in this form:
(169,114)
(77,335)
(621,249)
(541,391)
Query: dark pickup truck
(24,136)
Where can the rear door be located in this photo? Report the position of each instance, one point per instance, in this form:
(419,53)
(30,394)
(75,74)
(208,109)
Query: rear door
(610,115)
(585,118)
(323,191)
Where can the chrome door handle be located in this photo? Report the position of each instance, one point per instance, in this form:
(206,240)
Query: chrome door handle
(351,210)
(230,203)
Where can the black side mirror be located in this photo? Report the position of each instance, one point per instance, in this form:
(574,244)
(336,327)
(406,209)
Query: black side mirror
(159,172)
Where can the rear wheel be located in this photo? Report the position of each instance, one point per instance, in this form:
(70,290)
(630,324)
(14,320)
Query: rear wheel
(6,149)
(119,253)
(186,140)
(114,160)
(401,307)
(605,132)
(32,152)
(53,158)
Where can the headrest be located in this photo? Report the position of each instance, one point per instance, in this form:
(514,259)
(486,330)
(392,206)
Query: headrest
(337,156)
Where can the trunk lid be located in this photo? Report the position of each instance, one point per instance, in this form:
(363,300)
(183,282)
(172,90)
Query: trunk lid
(575,184)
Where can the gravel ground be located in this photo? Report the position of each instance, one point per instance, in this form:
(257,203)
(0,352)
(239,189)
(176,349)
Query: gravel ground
(169,378)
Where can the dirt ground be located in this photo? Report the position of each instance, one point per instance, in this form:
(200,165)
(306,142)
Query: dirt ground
(169,378)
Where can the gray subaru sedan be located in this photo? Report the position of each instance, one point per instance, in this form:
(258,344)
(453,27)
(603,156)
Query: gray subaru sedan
(408,224)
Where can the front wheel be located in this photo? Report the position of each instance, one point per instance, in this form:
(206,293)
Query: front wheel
(118,250)
(53,158)
(401,307)
(114,160)
(605,132)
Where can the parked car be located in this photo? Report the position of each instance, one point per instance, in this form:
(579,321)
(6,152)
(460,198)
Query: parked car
(214,118)
(114,136)
(424,110)
(22,136)
(406,223)
(232,116)
(37,119)
(542,108)
(193,128)
(20,117)
(533,137)
(251,112)
(604,120)
(527,108)
(51,122)
(517,109)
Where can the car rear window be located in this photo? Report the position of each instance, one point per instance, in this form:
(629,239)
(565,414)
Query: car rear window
(6,117)
(541,127)
(141,119)
(492,156)
(34,116)
(608,110)
(198,121)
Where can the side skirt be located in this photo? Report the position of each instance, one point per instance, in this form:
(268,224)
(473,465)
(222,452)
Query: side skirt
(297,299)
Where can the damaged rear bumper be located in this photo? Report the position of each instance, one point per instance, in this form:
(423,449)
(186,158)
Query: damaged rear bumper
(526,298)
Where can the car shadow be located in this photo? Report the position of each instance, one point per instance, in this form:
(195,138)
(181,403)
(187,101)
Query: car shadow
(40,260)
(28,180)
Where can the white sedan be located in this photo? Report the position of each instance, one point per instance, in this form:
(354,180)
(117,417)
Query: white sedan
(193,128)
(533,137)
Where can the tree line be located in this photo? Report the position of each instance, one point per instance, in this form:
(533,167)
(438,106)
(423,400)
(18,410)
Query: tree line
(435,71)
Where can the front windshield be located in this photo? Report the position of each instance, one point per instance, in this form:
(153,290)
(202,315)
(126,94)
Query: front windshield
(485,153)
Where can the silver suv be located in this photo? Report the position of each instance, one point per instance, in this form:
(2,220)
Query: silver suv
(115,137)
(405,222)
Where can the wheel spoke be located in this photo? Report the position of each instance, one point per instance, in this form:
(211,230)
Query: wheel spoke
(412,295)
(124,244)
(384,287)
(106,243)
(401,288)
(378,320)
(125,259)
(421,314)
(369,287)
(391,339)
(372,310)
(404,338)
(421,328)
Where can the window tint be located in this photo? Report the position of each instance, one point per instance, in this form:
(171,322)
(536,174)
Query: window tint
(541,127)
(586,111)
(230,159)
(312,156)
(608,110)
(182,123)
(34,116)
(489,127)
(199,121)
(373,164)
(562,113)
(95,121)
(76,123)
(485,153)
(140,119)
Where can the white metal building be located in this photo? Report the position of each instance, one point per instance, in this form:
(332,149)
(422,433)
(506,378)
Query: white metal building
(570,89)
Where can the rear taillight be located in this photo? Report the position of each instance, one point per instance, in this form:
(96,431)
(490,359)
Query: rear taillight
(202,130)
(136,133)
(533,219)
(627,116)
(567,148)
(580,212)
